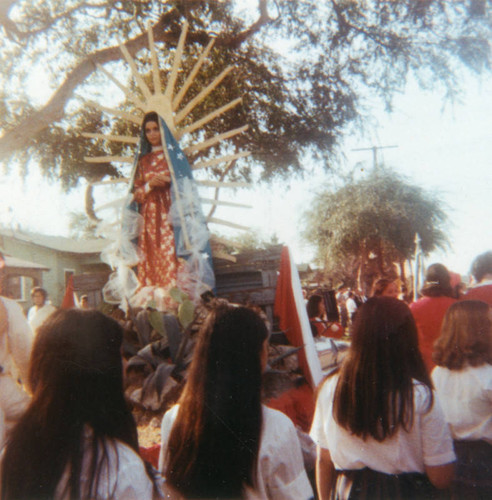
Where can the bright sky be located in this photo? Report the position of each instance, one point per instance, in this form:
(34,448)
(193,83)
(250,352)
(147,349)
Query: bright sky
(447,150)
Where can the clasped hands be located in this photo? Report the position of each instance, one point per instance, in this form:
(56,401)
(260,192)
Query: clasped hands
(159,180)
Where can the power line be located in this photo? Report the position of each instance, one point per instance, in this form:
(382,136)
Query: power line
(374,150)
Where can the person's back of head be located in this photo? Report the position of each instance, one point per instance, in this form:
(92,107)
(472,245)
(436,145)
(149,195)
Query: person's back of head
(466,336)
(213,446)
(374,396)
(379,286)
(482,266)
(437,282)
(76,381)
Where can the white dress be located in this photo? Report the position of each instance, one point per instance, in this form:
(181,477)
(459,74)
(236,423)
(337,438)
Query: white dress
(427,443)
(36,316)
(280,474)
(15,351)
(466,398)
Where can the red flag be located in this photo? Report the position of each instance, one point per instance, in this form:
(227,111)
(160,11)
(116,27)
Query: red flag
(68,301)
(293,320)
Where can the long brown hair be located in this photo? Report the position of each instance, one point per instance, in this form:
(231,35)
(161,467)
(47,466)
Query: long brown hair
(213,445)
(76,381)
(374,393)
(466,336)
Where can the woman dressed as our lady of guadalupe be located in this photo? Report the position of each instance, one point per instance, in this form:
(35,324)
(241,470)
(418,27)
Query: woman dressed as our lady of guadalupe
(172,238)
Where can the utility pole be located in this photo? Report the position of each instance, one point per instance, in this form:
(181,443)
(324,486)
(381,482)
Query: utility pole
(374,150)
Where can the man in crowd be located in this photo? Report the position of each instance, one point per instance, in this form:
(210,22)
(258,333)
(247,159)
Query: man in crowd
(41,309)
(482,272)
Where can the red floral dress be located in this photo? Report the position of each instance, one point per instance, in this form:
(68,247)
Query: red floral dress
(156,242)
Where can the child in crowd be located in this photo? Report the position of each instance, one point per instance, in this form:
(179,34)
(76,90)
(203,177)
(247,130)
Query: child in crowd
(220,441)
(379,430)
(77,438)
(320,326)
(463,381)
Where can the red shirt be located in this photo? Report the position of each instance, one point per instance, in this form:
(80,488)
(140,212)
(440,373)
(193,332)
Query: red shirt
(480,292)
(429,313)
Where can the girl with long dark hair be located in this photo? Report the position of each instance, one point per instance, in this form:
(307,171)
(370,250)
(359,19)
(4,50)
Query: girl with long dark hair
(463,380)
(77,439)
(379,430)
(219,441)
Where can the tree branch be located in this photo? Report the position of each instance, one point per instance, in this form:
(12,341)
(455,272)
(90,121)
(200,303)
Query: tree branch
(11,27)
(236,40)
(19,136)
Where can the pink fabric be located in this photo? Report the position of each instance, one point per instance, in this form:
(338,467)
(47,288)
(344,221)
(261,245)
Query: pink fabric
(429,313)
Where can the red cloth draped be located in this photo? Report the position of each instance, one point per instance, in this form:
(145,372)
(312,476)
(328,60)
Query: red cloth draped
(68,301)
(287,309)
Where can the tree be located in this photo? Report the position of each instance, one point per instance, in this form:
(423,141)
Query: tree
(338,52)
(375,218)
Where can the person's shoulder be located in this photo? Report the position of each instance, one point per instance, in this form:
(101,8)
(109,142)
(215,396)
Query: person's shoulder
(275,418)
(482,373)
(328,385)
(126,454)
(11,303)
(131,479)
(168,420)
(422,396)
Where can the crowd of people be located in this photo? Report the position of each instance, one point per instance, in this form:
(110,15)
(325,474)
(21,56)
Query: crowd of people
(407,414)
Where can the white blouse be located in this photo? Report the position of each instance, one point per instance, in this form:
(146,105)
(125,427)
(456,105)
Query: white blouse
(427,443)
(280,474)
(466,398)
(123,477)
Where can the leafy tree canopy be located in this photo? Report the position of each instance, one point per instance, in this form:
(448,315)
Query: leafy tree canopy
(374,218)
(335,53)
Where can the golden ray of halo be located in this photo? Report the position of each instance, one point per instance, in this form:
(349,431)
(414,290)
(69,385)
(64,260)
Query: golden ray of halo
(167,105)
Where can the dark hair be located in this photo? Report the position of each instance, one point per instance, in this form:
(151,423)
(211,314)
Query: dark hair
(380,286)
(312,306)
(76,381)
(214,443)
(482,265)
(152,116)
(42,291)
(437,282)
(374,393)
(466,336)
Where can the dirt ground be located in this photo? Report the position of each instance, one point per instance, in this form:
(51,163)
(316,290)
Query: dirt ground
(148,427)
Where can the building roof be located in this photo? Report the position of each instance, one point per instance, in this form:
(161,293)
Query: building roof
(24,264)
(60,243)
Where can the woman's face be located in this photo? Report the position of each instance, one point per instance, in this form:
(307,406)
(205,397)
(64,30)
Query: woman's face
(153,134)
(391,291)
